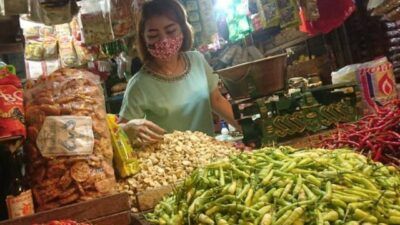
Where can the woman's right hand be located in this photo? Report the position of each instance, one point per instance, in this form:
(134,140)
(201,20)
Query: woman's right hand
(144,131)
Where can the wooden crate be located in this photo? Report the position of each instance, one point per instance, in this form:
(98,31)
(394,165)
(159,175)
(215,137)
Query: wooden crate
(147,200)
(138,219)
(110,210)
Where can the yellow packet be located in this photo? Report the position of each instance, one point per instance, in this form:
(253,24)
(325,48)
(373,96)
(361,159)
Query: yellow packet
(125,159)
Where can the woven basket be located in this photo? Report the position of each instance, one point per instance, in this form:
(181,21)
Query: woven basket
(255,79)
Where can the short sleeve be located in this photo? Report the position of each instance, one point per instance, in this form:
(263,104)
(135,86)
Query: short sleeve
(130,108)
(212,78)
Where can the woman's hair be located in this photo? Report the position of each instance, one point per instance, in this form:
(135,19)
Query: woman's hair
(169,8)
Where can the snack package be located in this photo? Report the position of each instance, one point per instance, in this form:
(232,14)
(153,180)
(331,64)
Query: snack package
(377,83)
(270,12)
(125,158)
(12,121)
(66,109)
(34,50)
(67,52)
(35,69)
(94,19)
(288,13)
(121,17)
(50,48)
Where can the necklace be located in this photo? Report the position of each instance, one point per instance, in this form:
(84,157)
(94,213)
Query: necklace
(168,72)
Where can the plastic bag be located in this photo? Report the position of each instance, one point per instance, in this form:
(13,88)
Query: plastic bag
(121,17)
(125,159)
(95,22)
(62,180)
(34,50)
(310,9)
(346,74)
(332,15)
(53,12)
(36,69)
(377,83)
(11,105)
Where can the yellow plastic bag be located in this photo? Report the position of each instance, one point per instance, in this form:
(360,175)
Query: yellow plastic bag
(125,159)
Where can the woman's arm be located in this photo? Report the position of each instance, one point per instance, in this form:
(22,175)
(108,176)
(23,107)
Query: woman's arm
(223,108)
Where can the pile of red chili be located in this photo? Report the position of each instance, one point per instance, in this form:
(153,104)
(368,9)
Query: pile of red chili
(377,135)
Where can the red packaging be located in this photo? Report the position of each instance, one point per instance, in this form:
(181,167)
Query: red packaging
(11,106)
(377,83)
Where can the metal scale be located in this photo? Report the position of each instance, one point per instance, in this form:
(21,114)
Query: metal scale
(267,112)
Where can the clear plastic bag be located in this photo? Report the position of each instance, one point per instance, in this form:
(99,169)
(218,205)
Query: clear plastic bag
(62,180)
(94,19)
(53,12)
(121,17)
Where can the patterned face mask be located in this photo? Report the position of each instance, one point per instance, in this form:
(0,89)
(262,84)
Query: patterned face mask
(166,48)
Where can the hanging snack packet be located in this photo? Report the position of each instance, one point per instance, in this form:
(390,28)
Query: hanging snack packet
(270,12)
(121,17)
(95,22)
(377,83)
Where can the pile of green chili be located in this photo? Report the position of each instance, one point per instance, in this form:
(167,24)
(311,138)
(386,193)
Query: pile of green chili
(284,186)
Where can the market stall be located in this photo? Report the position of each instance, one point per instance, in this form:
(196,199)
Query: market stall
(319,137)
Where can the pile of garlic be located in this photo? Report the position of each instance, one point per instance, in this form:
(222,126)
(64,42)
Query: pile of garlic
(172,160)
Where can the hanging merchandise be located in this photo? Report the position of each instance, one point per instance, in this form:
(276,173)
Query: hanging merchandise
(13,7)
(270,13)
(310,9)
(209,28)
(332,14)
(84,53)
(121,17)
(114,48)
(95,22)
(67,52)
(41,48)
(12,121)
(235,12)
(288,11)
(53,12)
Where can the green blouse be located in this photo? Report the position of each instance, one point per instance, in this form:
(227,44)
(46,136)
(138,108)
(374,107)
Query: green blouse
(182,103)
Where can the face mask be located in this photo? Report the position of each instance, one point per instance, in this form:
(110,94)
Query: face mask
(166,48)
